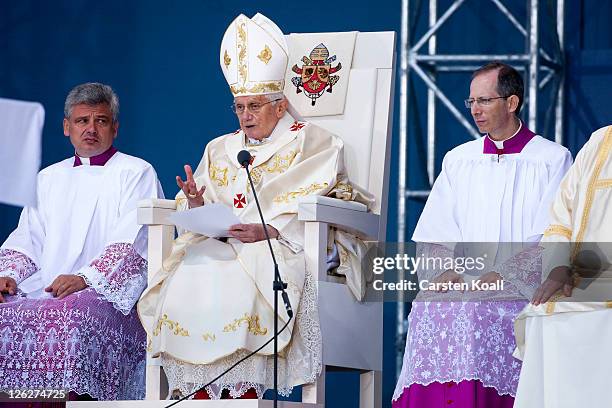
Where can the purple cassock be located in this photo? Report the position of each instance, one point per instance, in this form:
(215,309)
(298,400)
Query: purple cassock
(91,342)
(459,345)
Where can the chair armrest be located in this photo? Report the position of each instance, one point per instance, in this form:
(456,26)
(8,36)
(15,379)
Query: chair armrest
(157,203)
(347,215)
(155,211)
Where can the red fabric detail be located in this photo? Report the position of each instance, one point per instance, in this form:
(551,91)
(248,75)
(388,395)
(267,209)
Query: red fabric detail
(296,126)
(203,395)
(239,201)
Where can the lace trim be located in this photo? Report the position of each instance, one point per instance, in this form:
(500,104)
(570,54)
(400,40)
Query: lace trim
(118,275)
(431,250)
(524,270)
(398,392)
(79,344)
(456,341)
(299,363)
(14,264)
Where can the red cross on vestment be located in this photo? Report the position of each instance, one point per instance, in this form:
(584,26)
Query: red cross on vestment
(239,201)
(296,126)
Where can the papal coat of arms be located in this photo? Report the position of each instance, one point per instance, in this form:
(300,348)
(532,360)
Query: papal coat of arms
(315,75)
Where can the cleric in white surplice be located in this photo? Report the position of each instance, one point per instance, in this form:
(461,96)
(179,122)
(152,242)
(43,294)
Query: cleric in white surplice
(72,271)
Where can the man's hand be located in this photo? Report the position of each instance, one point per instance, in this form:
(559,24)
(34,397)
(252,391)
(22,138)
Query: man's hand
(7,285)
(251,232)
(559,278)
(490,277)
(65,285)
(194,196)
(448,276)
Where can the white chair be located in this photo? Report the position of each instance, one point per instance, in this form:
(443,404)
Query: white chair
(352,331)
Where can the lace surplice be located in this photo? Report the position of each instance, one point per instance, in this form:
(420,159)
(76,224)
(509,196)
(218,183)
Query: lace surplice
(119,275)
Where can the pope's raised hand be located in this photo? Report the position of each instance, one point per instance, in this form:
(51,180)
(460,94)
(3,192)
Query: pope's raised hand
(195,197)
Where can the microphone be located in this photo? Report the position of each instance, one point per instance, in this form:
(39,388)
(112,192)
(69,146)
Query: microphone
(244,158)
(285,297)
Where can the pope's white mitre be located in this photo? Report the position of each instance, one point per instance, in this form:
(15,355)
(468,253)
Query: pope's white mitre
(254,56)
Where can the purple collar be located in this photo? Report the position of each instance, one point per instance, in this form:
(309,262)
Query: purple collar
(511,146)
(99,160)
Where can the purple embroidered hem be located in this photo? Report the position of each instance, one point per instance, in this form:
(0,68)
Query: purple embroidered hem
(80,344)
(456,341)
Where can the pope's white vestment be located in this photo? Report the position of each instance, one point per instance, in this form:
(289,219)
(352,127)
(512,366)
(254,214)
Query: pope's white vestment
(565,343)
(212,302)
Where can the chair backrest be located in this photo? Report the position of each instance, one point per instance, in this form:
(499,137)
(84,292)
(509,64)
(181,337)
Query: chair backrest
(366,124)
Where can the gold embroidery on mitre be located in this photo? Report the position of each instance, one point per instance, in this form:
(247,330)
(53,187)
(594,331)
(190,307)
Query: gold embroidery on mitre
(252,322)
(262,87)
(243,86)
(226,59)
(303,191)
(175,327)
(241,43)
(265,55)
(556,229)
(281,163)
(609,304)
(218,174)
(209,336)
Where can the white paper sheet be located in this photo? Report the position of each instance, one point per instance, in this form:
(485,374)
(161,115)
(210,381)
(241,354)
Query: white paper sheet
(212,220)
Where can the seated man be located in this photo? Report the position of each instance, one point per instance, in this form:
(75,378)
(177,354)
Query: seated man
(72,271)
(563,336)
(212,302)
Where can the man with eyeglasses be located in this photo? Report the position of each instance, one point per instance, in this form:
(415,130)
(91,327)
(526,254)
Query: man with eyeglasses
(495,191)
(213,301)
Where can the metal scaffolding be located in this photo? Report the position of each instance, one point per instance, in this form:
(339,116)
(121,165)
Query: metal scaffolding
(542,68)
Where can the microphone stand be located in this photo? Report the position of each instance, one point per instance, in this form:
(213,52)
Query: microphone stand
(278,286)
